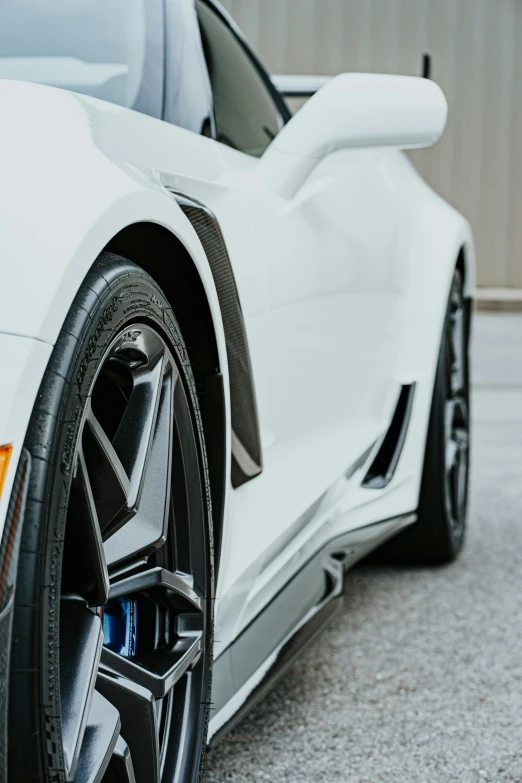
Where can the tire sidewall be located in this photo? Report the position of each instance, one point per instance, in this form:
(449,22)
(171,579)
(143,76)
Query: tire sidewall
(433,503)
(115,294)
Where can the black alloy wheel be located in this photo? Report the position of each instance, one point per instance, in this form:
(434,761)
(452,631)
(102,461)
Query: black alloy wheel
(456,413)
(121,641)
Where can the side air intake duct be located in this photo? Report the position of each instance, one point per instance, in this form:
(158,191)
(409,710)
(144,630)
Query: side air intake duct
(385,462)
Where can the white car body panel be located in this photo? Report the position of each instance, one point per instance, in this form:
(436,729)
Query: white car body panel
(369,290)
(345,281)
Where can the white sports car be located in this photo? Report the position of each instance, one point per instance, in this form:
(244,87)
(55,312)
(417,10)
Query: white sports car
(233,352)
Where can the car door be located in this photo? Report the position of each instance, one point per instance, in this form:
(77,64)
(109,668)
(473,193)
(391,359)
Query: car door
(317,282)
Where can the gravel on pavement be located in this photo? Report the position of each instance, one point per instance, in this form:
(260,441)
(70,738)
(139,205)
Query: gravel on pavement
(419,678)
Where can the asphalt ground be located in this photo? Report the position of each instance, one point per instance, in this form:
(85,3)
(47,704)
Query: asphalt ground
(419,678)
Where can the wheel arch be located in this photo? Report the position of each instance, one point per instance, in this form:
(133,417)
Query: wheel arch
(149,245)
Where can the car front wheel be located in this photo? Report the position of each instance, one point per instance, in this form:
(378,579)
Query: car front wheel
(111,651)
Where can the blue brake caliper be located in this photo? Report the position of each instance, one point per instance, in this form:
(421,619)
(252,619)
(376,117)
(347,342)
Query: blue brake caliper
(120,626)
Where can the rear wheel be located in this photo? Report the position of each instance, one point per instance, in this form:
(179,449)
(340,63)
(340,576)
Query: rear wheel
(438,535)
(112,632)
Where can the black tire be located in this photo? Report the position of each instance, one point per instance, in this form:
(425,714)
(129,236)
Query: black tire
(438,535)
(60,551)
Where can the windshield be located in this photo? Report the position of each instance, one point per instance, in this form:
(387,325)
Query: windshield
(95,47)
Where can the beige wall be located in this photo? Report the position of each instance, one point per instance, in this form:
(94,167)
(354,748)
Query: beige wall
(476,47)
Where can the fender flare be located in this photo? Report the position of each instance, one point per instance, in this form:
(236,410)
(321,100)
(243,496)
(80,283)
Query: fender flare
(246,439)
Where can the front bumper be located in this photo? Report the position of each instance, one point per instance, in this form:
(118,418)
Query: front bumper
(22,365)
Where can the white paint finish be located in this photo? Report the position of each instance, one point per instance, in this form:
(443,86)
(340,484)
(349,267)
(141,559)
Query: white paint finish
(325,549)
(343,284)
(53,172)
(70,182)
(475,46)
(366,110)
(358,272)
(67,72)
(239,698)
(354,111)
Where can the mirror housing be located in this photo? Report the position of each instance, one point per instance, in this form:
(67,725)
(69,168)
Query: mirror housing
(354,111)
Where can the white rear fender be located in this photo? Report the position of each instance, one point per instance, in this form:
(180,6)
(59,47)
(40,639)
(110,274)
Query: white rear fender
(432,238)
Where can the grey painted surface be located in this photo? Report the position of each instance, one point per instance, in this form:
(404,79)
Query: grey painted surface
(477,58)
(419,677)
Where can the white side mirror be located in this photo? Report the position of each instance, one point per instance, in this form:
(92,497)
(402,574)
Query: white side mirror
(357,110)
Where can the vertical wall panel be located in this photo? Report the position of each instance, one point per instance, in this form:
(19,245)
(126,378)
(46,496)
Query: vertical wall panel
(514,230)
(331,28)
(273,34)
(301,37)
(497,137)
(476,47)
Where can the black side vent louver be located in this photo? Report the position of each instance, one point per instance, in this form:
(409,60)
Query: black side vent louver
(383,466)
(246,440)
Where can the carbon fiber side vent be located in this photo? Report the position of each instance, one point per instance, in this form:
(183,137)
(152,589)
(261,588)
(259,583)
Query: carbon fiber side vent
(246,443)
(381,471)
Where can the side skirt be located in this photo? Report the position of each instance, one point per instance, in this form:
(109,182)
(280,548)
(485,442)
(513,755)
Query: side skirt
(263,652)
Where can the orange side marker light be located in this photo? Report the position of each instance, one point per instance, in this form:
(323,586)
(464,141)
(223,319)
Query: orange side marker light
(5,456)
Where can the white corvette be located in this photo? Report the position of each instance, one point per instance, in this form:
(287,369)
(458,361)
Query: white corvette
(233,352)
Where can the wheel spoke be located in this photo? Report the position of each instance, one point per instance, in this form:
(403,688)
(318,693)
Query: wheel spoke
(456,423)
(461,415)
(134,435)
(182,701)
(187,494)
(462,439)
(177,587)
(101,736)
(457,438)
(136,706)
(457,350)
(158,670)
(451,454)
(147,530)
(109,482)
(85,571)
(121,768)
(455,488)
(449,414)
(81,640)
(132,630)
(462,468)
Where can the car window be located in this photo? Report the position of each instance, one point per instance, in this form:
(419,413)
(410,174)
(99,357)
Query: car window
(109,49)
(188,94)
(246,115)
